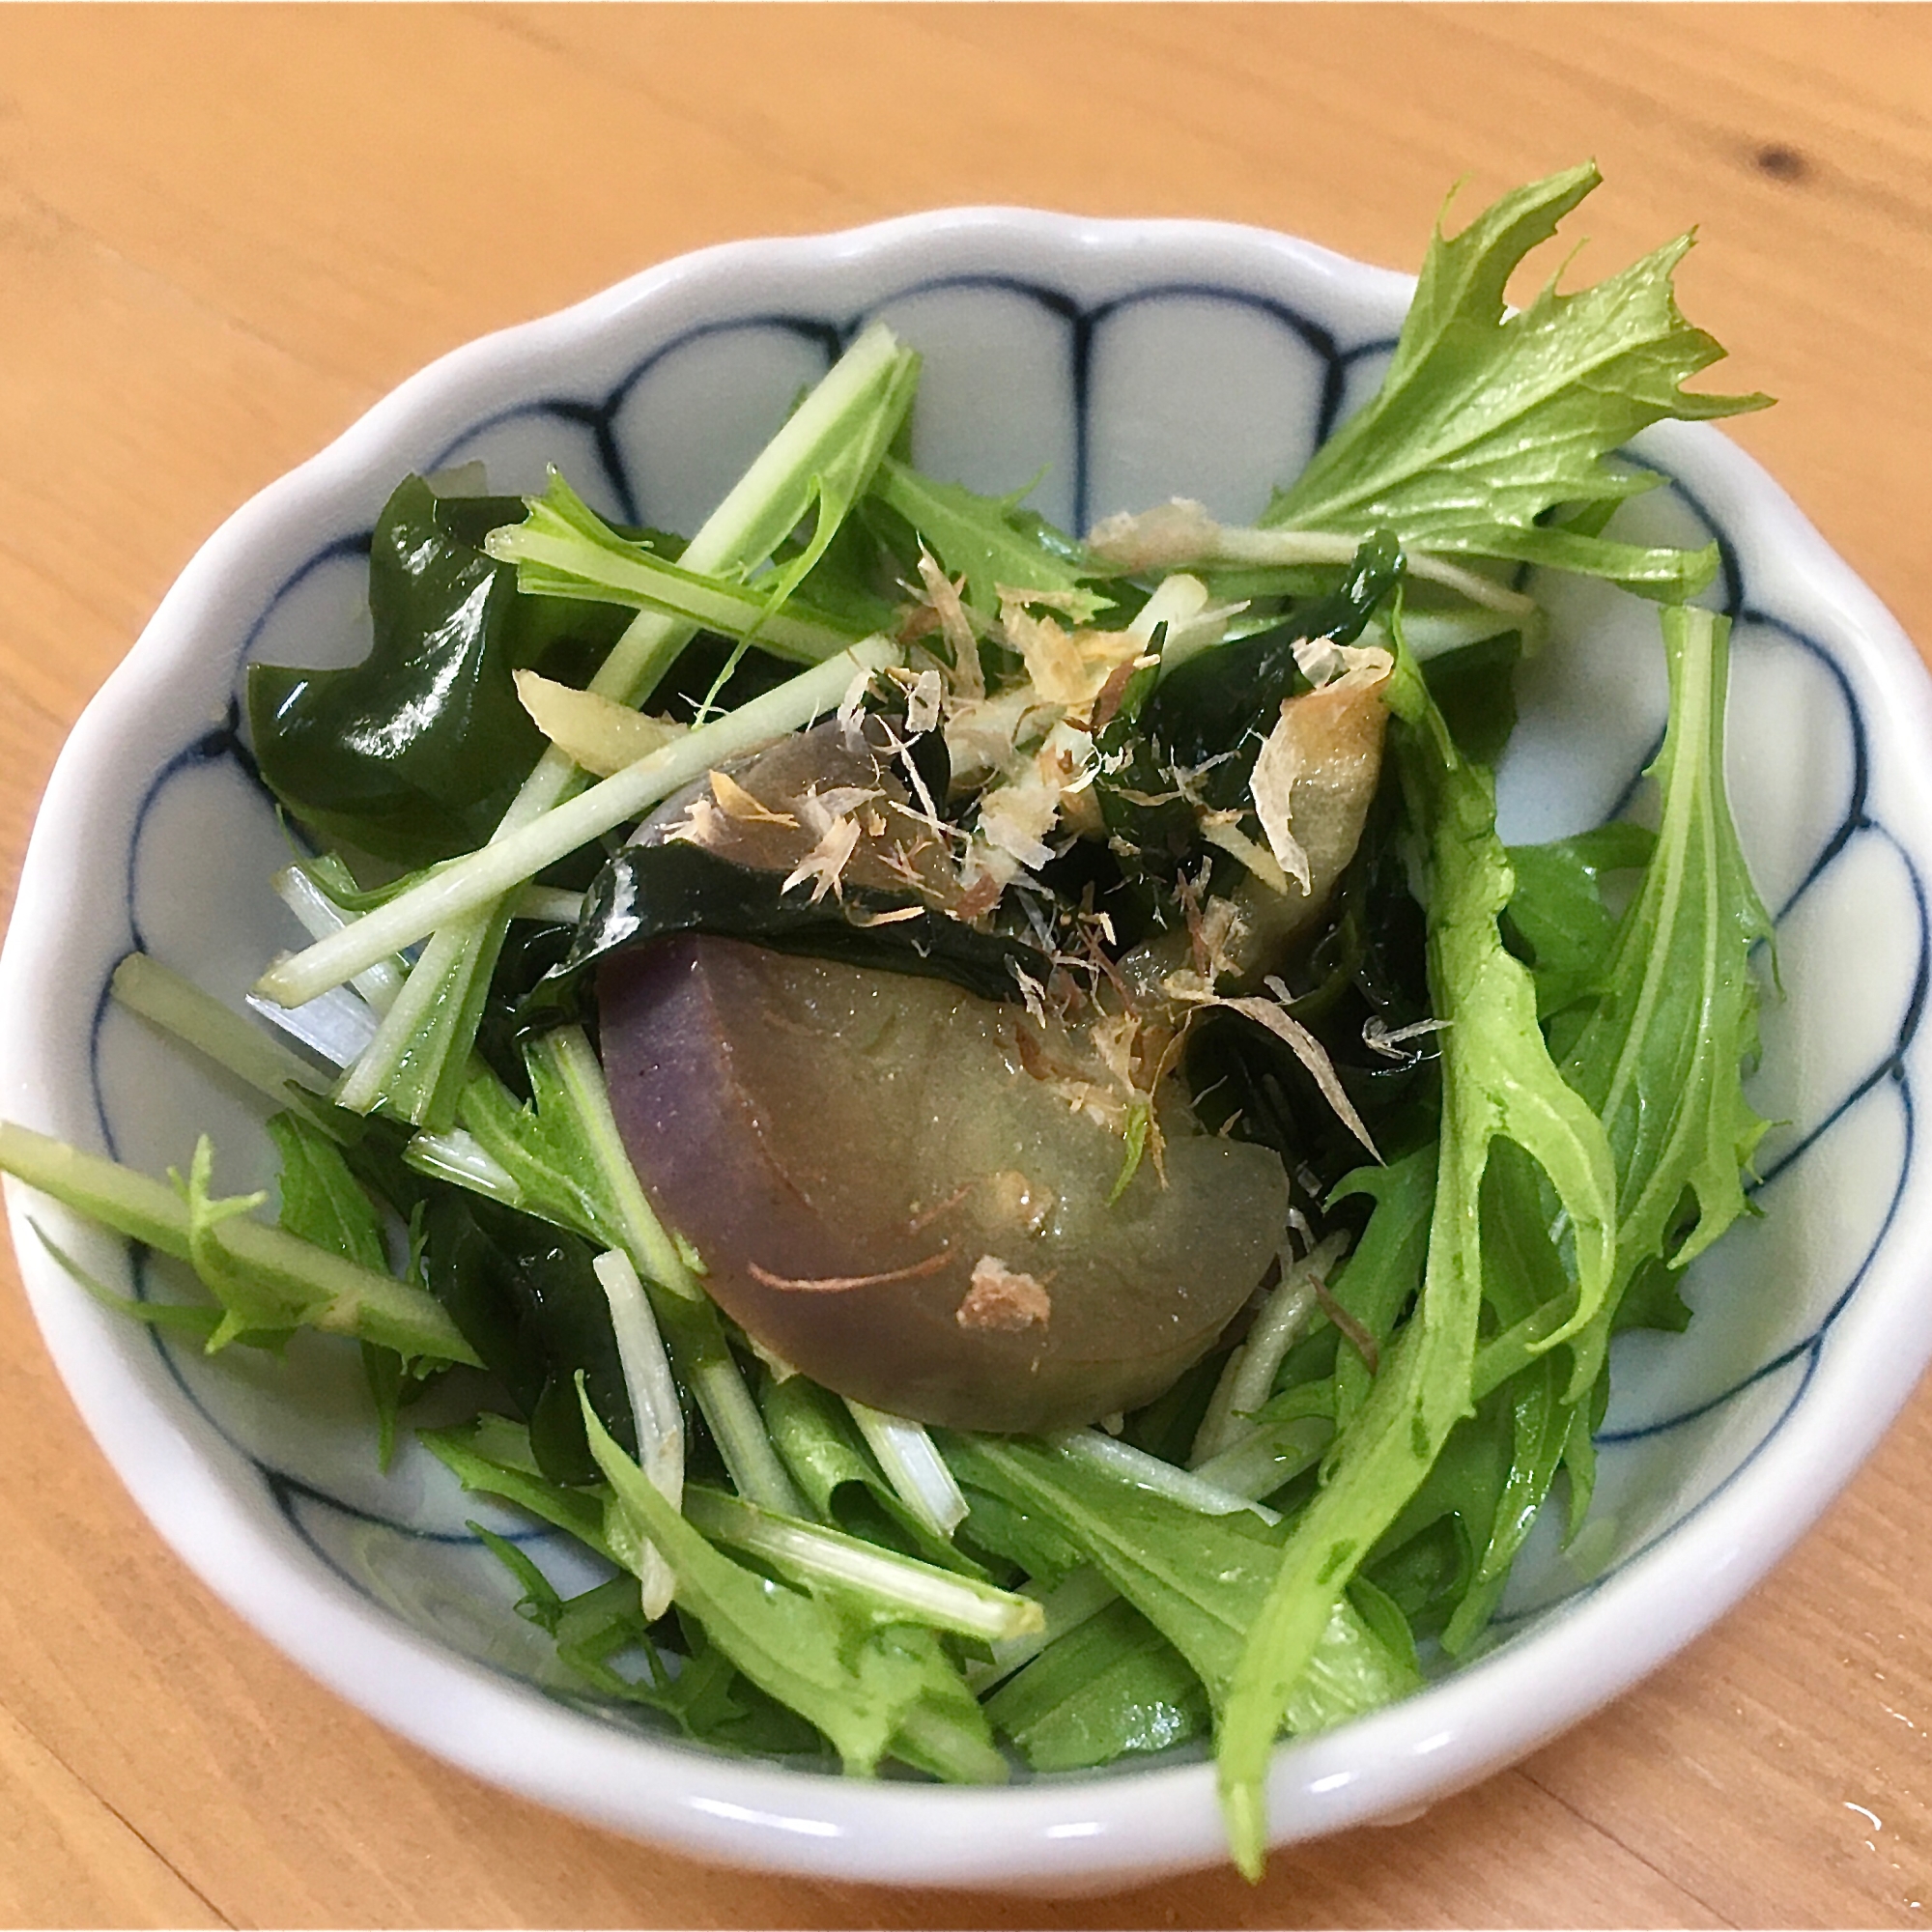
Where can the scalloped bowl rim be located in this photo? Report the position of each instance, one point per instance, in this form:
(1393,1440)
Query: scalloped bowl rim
(1077,1832)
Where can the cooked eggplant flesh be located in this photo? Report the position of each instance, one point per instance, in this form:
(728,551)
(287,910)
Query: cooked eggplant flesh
(891,1192)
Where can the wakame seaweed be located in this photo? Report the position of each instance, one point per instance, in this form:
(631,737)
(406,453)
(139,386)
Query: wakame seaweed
(412,755)
(1227,699)
(648,893)
(1192,738)
(526,1299)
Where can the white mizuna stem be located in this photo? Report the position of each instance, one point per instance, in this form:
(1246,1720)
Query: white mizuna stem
(762,509)
(559,561)
(451,950)
(1470,583)
(323,1290)
(933,1595)
(1283,1316)
(547,902)
(338,1026)
(764,506)
(1434,633)
(1149,1472)
(915,1468)
(460,1157)
(654,1406)
(487,874)
(1247,546)
(648,1376)
(1081,1594)
(1273,1453)
(1248,1375)
(1215,1430)
(178,1006)
(321,916)
(651,1248)
(1183,534)
(712,1370)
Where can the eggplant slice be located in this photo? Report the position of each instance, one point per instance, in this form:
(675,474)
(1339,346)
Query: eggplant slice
(884,1196)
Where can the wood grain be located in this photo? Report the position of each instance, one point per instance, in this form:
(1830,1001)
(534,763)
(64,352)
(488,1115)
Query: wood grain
(224,233)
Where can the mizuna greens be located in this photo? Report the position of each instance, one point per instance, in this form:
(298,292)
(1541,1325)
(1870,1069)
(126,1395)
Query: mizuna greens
(1174,850)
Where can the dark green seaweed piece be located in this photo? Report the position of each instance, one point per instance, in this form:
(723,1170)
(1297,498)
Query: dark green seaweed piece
(1227,699)
(1207,720)
(527,1301)
(413,754)
(655,891)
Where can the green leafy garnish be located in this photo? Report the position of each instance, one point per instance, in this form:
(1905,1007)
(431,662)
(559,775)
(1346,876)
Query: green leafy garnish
(1487,421)
(323,1203)
(1660,1056)
(1111,1687)
(496,1458)
(1557,908)
(814,1435)
(321,1200)
(564,548)
(1199,1580)
(873,1685)
(989,541)
(266,1281)
(1498,1082)
(709,1701)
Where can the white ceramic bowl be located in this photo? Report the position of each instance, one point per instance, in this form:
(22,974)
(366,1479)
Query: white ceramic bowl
(1134,360)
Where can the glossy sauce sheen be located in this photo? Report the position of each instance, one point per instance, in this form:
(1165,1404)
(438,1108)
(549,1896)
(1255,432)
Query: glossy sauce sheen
(814,1121)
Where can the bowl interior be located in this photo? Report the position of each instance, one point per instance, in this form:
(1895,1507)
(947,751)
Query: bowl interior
(1121,368)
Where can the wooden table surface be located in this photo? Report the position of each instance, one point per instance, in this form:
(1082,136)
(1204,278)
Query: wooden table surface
(224,233)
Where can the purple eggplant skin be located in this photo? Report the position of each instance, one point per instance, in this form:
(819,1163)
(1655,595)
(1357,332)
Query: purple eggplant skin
(885,1197)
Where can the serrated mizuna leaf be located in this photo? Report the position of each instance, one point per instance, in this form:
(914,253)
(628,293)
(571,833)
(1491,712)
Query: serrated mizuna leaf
(320,1199)
(564,549)
(1498,1083)
(982,539)
(1197,1580)
(867,1681)
(1660,1056)
(1486,420)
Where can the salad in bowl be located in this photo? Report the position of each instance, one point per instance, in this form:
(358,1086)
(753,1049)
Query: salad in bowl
(920,1138)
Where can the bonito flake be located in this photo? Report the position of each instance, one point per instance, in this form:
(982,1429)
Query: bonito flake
(1015,818)
(1277,766)
(1003,1298)
(1068,668)
(1304,734)
(828,814)
(735,802)
(942,596)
